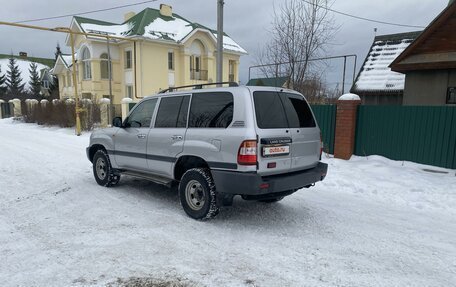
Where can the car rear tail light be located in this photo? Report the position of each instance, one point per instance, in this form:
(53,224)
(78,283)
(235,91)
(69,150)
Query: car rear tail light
(247,154)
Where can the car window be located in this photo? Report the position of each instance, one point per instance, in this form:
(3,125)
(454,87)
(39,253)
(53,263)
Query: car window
(269,110)
(297,111)
(141,116)
(172,112)
(211,110)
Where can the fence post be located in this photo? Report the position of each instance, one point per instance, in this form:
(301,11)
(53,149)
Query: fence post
(125,107)
(17,111)
(1,108)
(347,106)
(44,103)
(104,113)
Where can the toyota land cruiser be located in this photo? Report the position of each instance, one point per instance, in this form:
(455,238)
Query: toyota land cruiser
(261,143)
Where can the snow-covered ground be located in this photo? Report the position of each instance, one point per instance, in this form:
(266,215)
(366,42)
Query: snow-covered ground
(372,222)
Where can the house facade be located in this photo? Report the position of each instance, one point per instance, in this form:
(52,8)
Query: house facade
(429,63)
(161,49)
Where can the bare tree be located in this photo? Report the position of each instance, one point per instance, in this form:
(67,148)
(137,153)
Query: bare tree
(301,31)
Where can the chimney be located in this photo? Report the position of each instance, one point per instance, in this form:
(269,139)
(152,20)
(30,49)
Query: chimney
(23,55)
(166,10)
(128,15)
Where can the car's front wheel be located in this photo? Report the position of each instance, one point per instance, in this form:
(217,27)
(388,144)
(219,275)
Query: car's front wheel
(102,169)
(197,194)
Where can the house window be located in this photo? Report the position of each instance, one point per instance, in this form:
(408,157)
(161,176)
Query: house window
(196,73)
(86,70)
(46,84)
(128,60)
(129,91)
(171,61)
(197,63)
(451,96)
(104,66)
(232,65)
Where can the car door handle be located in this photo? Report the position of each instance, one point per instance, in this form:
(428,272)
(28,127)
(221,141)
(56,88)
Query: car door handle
(177,138)
(141,136)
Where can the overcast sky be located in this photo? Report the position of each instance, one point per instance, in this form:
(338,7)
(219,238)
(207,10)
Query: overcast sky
(246,21)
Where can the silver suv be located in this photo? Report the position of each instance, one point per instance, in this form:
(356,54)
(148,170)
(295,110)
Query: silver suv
(261,143)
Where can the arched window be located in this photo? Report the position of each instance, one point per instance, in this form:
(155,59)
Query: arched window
(104,66)
(87,72)
(197,72)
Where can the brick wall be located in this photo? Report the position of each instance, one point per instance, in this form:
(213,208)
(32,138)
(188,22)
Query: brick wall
(345,128)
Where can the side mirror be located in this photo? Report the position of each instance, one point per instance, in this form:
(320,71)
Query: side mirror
(117,122)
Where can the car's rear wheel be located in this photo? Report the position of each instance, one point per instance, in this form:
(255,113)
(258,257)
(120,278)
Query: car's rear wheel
(197,194)
(102,169)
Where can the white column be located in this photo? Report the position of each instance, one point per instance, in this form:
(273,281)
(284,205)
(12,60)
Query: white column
(125,107)
(17,107)
(104,113)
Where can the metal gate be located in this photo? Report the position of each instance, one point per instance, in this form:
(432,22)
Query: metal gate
(7,110)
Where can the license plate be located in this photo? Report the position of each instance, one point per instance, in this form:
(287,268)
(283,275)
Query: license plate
(276,150)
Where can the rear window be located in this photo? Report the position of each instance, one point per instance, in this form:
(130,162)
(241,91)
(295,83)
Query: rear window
(297,111)
(211,110)
(276,110)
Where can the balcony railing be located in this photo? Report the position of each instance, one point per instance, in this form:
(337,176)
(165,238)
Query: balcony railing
(199,75)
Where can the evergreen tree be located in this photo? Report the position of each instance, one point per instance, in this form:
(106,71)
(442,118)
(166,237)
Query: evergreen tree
(57,51)
(2,83)
(13,79)
(35,84)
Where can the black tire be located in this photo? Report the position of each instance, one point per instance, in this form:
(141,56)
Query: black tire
(102,170)
(271,200)
(197,194)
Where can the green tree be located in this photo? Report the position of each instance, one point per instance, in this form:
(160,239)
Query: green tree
(2,83)
(35,84)
(13,79)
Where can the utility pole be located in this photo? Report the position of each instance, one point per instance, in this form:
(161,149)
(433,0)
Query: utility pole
(75,85)
(220,4)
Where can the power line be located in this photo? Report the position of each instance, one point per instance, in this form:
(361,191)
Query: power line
(86,12)
(363,18)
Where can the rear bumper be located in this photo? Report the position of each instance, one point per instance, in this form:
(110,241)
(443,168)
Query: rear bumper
(253,184)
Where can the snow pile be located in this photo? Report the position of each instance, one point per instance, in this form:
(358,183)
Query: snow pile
(371,222)
(375,74)
(349,97)
(24,67)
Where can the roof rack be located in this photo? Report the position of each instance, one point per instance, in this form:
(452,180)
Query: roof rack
(199,86)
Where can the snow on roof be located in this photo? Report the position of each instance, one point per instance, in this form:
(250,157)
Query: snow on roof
(68,60)
(150,24)
(24,67)
(112,30)
(229,44)
(161,29)
(375,75)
